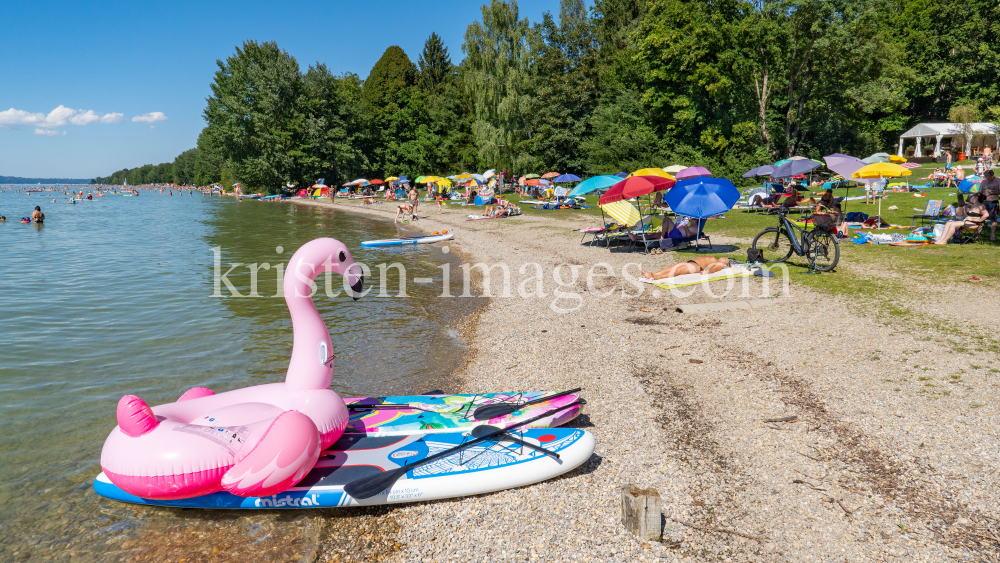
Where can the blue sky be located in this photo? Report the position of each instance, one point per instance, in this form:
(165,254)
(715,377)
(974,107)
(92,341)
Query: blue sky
(109,63)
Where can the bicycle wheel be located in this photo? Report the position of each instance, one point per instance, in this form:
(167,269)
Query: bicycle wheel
(774,245)
(823,250)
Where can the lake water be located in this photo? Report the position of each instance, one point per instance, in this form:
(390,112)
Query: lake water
(115,296)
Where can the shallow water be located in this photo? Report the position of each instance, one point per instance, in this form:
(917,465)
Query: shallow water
(115,296)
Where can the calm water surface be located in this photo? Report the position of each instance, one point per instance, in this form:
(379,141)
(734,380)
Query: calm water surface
(114,297)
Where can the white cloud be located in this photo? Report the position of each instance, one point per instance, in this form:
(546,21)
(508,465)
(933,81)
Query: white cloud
(47,132)
(85,118)
(58,117)
(151,117)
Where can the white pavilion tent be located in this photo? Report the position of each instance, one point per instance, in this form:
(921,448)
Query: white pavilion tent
(948,130)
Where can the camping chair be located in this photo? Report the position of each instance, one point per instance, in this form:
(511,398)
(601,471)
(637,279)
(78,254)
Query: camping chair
(971,235)
(623,212)
(931,212)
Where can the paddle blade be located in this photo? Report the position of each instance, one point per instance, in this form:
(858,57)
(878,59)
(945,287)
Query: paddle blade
(497,410)
(484,430)
(367,487)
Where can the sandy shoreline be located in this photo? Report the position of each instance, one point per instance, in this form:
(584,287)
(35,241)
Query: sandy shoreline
(892,455)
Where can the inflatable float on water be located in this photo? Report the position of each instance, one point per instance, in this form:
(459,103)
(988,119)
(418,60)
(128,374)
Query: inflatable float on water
(254,441)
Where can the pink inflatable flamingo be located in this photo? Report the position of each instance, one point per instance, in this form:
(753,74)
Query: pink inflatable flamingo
(254,441)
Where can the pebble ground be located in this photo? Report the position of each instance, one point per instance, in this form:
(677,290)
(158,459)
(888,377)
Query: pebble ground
(887,451)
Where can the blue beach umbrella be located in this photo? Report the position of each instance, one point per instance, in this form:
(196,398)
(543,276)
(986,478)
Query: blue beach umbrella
(969,185)
(622,174)
(702,198)
(593,184)
(759,171)
(565,178)
(795,167)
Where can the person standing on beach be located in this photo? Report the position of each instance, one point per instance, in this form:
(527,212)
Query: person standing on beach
(990,187)
(947,160)
(414,201)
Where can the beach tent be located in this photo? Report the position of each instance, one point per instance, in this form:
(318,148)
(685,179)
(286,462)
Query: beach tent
(954,131)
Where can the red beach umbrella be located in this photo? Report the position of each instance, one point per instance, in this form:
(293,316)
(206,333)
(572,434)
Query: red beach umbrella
(636,186)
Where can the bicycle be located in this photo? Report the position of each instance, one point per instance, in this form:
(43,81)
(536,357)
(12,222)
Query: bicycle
(776,244)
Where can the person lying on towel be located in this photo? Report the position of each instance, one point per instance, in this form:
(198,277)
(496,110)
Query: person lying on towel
(699,265)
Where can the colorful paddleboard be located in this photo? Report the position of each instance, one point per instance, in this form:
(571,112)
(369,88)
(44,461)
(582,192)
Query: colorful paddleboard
(483,468)
(450,413)
(409,240)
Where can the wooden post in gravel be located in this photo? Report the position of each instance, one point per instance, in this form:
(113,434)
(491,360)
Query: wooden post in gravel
(641,512)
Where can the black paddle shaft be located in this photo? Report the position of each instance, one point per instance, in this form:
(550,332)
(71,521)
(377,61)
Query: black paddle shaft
(367,487)
(496,410)
(508,436)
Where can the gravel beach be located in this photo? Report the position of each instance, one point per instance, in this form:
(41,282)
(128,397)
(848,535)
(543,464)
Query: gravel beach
(814,429)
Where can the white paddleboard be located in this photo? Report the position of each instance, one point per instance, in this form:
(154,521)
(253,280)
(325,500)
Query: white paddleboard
(483,468)
(409,240)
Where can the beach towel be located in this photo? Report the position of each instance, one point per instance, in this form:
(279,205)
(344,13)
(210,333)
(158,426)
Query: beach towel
(739,271)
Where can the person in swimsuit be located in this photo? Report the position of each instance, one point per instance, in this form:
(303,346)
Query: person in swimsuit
(401,212)
(37,215)
(975,214)
(990,189)
(414,201)
(701,264)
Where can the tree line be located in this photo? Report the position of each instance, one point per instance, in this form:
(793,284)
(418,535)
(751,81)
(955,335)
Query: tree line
(180,171)
(727,84)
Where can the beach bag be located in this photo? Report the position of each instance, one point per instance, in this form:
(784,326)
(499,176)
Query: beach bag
(754,255)
(856,217)
(938,230)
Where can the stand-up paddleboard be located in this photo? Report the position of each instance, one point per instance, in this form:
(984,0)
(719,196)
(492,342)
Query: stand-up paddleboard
(409,240)
(381,416)
(482,468)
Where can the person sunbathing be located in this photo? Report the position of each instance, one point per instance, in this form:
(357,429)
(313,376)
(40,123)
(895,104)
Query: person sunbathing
(669,229)
(975,214)
(701,264)
(825,202)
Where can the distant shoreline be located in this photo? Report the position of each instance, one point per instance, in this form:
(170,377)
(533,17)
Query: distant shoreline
(19,180)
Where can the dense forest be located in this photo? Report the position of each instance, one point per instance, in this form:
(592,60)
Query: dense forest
(727,84)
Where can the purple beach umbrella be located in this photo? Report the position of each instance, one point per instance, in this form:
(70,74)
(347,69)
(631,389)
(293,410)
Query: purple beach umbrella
(692,172)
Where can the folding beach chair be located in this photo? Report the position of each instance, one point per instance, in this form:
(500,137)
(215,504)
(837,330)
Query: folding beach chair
(625,215)
(931,212)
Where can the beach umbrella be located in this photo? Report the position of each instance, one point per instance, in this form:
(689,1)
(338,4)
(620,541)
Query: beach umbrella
(845,165)
(764,170)
(883,155)
(702,198)
(489,173)
(550,175)
(693,172)
(650,172)
(594,184)
(537,182)
(636,186)
(794,167)
(896,158)
(391,179)
(970,185)
(530,176)
(419,179)
(876,158)
(566,178)
(674,168)
(621,174)
(359,181)
(880,170)
(376,182)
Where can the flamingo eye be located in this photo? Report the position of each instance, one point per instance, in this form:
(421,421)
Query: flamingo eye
(343,257)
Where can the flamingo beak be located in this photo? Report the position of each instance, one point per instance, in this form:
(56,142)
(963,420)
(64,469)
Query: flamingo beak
(356,280)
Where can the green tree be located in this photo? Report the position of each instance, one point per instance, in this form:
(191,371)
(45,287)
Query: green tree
(498,62)
(184,166)
(256,108)
(435,64)
(210,159)
(335,131)
(564,88)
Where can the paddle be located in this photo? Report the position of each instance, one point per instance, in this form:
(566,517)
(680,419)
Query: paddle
(367,487)
(480,431)
(497,410)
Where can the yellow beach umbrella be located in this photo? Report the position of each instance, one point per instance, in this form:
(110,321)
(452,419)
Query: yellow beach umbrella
(391,179)
(897,159)
(651,172)
(880,170)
